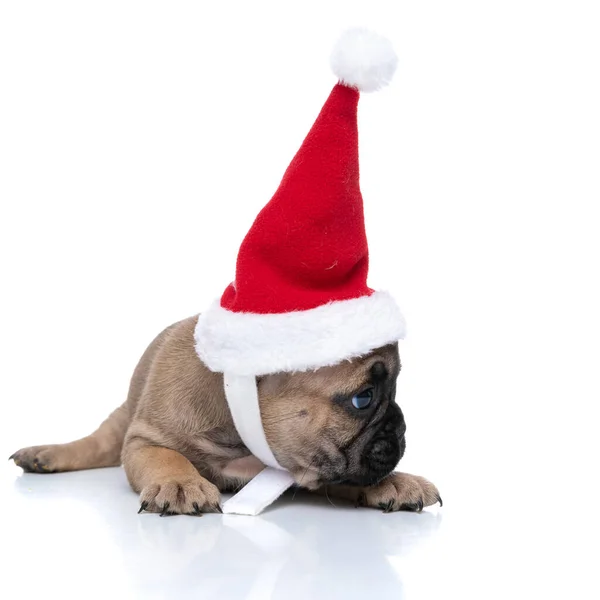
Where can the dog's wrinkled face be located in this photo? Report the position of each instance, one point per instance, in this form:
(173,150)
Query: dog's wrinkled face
(338,424)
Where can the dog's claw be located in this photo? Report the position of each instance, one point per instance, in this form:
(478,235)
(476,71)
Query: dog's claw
(387,508)
(420,505)
(165,509)
(217,508)
(439,499)
(11,457)
(143,507)
(197,512)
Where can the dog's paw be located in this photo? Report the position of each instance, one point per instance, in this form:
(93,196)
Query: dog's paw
(192,496)
(400,491)
(38,459)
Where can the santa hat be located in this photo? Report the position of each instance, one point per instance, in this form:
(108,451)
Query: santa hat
(300,298)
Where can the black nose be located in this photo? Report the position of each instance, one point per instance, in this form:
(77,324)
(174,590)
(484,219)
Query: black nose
(395,426)
(393,422)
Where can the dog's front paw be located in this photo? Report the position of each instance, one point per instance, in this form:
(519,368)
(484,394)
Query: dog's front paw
(192,496)
(400,491)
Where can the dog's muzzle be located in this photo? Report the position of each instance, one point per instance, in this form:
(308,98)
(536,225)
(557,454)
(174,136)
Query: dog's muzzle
(383,451)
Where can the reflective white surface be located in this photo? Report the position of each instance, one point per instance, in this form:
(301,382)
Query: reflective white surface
(78,535)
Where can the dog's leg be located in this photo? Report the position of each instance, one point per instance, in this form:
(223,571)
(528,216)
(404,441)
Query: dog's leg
(397,491)
(100,449)
(168,483)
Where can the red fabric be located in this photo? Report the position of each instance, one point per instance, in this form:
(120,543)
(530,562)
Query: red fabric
(308,246)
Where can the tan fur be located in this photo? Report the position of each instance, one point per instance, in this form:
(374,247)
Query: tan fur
(398,491)
(176,439)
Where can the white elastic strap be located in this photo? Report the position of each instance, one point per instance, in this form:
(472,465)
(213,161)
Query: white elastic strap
(273,480)
(261,491)
(242,397)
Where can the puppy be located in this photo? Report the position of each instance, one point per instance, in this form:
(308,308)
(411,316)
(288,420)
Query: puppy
(338,430)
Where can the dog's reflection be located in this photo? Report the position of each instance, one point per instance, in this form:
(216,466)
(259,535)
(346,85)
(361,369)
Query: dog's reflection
(301,548)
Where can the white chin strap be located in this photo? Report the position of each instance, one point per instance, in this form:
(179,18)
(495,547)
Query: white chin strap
(273,480)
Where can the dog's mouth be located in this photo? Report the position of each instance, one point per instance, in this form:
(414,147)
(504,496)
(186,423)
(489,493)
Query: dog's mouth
(380,459)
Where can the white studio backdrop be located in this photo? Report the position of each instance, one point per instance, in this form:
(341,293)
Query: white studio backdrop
(139,140)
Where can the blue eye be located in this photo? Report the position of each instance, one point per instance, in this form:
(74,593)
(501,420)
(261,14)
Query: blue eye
(363,400)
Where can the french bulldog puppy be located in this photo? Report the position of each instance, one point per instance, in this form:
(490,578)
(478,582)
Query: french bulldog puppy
(338,430)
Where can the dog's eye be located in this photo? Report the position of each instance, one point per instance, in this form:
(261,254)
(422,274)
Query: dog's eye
(363,400)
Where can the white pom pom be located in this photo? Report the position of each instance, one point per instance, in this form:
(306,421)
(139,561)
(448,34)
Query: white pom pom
(363,60)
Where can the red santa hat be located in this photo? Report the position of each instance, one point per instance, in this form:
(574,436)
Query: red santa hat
(300,298)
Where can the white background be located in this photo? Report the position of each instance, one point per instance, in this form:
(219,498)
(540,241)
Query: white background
(138,142)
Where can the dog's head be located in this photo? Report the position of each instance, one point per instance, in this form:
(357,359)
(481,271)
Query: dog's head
(337,424)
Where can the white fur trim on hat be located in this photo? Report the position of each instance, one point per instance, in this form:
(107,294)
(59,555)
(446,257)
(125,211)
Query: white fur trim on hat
(257,344)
